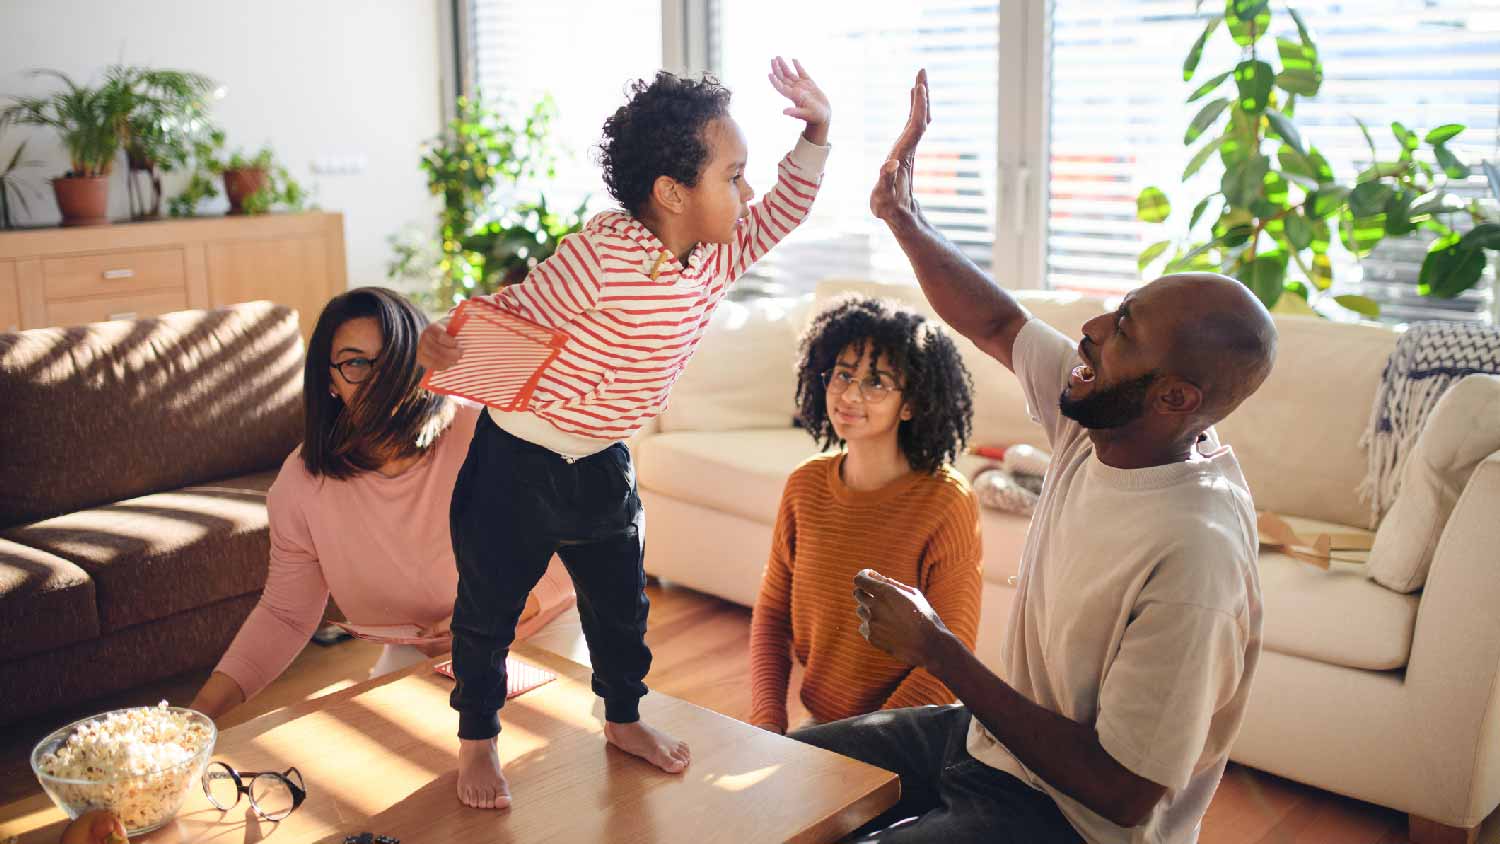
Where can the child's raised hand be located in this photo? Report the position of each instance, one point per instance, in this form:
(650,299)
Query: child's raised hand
(436,348)
(809,103)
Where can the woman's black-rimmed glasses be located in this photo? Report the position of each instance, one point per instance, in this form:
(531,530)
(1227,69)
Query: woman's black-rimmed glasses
(273,796)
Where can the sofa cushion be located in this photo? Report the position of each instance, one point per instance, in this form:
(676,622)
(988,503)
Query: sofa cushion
(1462,430)
(46,602)
(1297,438)
(743,374)
(160,554)
(739,472)
(113,410)
(1338,616)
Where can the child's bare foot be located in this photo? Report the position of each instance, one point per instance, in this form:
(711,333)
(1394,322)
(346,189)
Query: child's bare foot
(480,782)
(650,744)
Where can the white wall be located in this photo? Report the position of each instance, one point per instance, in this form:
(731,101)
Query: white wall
(317,79)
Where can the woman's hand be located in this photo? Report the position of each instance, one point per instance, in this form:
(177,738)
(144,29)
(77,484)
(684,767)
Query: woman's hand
(437,349)
(220,693)
(809,103)
(442,628)
(892,200)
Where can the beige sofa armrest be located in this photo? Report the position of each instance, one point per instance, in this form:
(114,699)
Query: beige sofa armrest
(1455,656)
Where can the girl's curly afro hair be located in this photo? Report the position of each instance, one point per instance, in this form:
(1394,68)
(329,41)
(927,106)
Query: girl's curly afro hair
(932,376)
(659,132)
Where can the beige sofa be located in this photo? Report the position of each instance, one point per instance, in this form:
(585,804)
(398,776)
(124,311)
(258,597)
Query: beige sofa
(1381,696)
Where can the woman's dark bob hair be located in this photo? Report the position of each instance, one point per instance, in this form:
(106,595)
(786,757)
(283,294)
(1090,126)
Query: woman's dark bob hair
(934,382)
(391,417)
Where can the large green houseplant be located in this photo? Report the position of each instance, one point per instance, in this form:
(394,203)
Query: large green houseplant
(1279,205)
(494,224)
(87,119)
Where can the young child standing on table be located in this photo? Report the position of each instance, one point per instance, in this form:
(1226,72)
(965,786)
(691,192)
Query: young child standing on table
(632,293)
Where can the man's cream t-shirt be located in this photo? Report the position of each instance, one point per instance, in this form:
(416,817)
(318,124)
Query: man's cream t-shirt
(1137,610)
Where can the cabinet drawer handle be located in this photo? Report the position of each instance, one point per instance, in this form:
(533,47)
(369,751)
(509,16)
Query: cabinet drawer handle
(123,315)
(123,273)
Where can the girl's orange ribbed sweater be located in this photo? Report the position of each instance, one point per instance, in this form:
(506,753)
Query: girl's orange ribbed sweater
(921,529)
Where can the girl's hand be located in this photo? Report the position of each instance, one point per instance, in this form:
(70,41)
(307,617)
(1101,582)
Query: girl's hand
(809,103)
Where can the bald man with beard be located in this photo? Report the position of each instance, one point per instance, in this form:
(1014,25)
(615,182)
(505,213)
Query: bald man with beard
(1136,625)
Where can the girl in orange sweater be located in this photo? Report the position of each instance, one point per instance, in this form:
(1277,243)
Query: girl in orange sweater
(888,385)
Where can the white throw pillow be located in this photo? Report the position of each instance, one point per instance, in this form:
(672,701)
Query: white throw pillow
(1463,429)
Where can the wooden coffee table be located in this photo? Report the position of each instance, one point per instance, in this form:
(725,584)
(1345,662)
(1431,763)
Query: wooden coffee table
(380,757)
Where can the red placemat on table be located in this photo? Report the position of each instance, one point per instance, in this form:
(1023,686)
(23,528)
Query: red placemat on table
(520,677)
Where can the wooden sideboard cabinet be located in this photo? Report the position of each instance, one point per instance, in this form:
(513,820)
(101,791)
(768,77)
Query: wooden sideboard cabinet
(51,277)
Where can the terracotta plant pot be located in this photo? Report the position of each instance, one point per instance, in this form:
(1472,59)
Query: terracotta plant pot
(239,184)
(83,200)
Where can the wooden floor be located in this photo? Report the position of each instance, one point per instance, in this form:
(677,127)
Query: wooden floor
(701,654)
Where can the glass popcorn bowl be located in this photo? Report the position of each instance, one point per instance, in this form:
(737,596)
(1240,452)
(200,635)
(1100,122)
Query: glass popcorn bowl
(139,763)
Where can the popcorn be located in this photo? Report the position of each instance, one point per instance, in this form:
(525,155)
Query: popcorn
(134,758)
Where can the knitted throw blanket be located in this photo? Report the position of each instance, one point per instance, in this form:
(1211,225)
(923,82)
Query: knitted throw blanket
(1428,359)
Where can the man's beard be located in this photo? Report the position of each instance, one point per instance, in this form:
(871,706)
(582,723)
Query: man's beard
(1109,407)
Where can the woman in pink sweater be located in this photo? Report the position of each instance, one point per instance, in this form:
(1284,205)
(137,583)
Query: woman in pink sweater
(360,509)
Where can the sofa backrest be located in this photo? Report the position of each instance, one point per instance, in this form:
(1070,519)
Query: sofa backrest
(1297,438)
(97,413)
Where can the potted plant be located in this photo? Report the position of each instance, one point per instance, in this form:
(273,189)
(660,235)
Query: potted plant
(87,119)
(165,127)
(482,242)
(13,188)
(1279,206)
(254,184)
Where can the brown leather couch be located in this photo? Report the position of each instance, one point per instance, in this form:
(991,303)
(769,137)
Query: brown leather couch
(134,462)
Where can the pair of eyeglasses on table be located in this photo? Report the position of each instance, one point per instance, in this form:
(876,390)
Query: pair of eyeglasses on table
(272,795)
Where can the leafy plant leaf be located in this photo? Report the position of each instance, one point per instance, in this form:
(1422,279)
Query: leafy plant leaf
(1198,211)
(1322,271)
(1248,20)
(1398,213)
(1450,269)
(1152,206)
(1362,305)
(1322,238)
(1301,26)
(1255,80)
(1287,132)
(1205,118)
(1482,236)
(1151,253)
(1454,168)
(1404,136)
(1265,275)
(1245,180)
(1190,64)
(1369,198)
(1360,234)
(1365,130)
(1301,70)
(1444,133)
(1201,156)
(1299,231)
(1208,87)
(1325,201)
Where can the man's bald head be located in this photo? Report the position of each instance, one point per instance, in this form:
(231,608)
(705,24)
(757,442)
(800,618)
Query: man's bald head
(1222,338)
